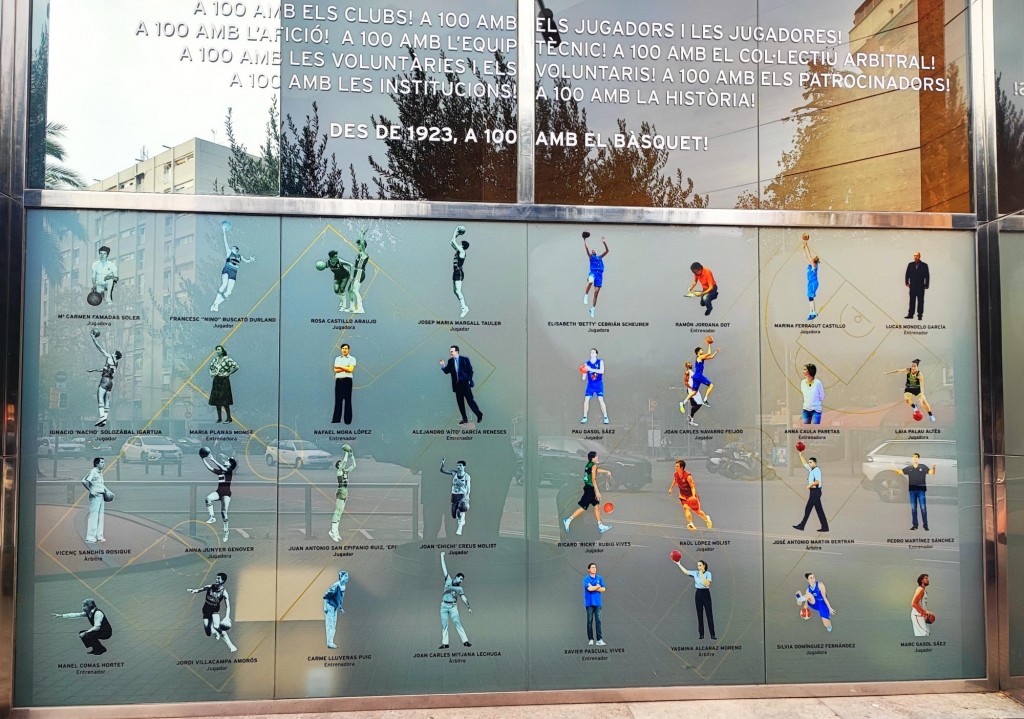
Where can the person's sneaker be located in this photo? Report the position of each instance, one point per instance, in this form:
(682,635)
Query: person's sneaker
(443,646)
(708,520)
(798,526)
(812,316)
(590,643)
(706,403)
(565,523)
(225,536)
(211,520)
(914,528)
(604,420)
(583,421)
(458,532)
(600,642)
(602,528)
(465,311)
(334,536)
(592,311)
(682,407)
(707,312)
(332,646)
(913,406)
(466,644)
(931,418)
(926,528)
(691,527)
(692,423)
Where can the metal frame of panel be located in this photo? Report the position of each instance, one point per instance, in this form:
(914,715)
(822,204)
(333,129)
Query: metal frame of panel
(15,53)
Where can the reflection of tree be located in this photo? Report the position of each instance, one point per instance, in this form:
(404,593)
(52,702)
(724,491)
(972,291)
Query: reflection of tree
(1009,151)
(416,169)
(613,176)
(293,161)
(46,153)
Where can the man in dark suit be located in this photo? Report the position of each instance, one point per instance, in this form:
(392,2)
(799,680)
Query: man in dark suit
(917,280)
(461,371)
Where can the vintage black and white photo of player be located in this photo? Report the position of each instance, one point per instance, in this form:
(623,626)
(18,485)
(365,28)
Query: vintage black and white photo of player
(458,272)
(229,274)
(344,467)
(224,470)
(104,277)
(106,383)
(453,591)
(98,630)
(461,486)
(215,624)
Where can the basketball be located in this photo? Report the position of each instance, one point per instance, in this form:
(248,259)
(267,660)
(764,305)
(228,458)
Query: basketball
(94,333)
(94,298)
(930,619)
(321,265)
(204,452)
(918,416)
(676,555)
(585,234)
(460,230)
(800,446)
(583,369)
(693,503)
(608,508)
(805,613)
(225,624)
(709,339)
(346,448)
(805,237)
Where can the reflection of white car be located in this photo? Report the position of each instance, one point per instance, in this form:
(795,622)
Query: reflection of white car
(297,452)
(48,446)
(150,449)
(882,462)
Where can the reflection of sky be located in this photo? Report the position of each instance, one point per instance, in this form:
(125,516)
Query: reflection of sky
(357,108)
(118,92)
(729,167)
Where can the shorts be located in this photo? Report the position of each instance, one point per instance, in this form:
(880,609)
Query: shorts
(594,389)
(223,492)
(230,270)
(697,380)
(821,608)
(812,416)
(812,290)
(459,504)
(589,498)
(597,278)
(691,502)
(106,384)
(458,275)
(342,494)
(916,391)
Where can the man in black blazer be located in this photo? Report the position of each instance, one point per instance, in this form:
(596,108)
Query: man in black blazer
(918,280)
(461,371)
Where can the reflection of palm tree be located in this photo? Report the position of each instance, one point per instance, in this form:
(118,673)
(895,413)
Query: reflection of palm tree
(56,175)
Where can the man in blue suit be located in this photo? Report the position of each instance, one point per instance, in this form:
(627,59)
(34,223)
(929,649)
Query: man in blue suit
(460,369)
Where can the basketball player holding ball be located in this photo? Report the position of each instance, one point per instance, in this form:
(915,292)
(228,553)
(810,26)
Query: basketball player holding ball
(688,496)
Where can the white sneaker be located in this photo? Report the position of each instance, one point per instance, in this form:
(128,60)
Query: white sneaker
(334,536)
(602,528)
(225,536)
(458,531)
(592,311)
(692,423)
(565,523)
(710,526)
(604,420)
(583,421)
(600,642)
(590,643)
(465,311)
(931,417)
(211,520)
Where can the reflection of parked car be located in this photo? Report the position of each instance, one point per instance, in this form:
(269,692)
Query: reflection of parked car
(187,444)
(91,444)
(882,462)
(150,449)
(737,461)
(297,452)
(562,459)
(51,446)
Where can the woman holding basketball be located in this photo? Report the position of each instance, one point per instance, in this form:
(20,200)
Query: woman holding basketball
(688,497)
(701,595)
(913,390)
(224,471)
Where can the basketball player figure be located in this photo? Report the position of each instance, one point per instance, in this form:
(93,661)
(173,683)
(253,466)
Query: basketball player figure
(450,606)
(919,608)
(458,274)
(913,390)
(214,624)
(344,467)
(334,597)
(106,383)
(342,272)
(229,274)
(224,472)
(104,274)
(595,274)
(461,486)
(358,274)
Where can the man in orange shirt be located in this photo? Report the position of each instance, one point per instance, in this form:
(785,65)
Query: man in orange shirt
(709,289)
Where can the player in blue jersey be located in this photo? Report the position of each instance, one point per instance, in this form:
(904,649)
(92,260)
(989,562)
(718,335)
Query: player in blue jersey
(593,374)
(595,276)
(812,276)
(816,598)
(697,378)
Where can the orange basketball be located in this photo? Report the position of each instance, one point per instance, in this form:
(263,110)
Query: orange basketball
(583,369)
(675,555)
(709,339)
(693,503)
(805,613)
(918,415)
(608,507)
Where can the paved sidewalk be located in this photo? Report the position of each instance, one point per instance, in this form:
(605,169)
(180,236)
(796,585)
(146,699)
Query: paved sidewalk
(923,706)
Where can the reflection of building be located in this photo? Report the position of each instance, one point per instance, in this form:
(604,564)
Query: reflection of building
(156,262)
(890,150)
(193,167)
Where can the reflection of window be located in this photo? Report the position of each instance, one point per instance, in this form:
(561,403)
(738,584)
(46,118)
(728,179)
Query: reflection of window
(168,224)
(128,257)
(140,256)
(140,281)
(167,172)
(184,240)
(167,278)
(167,251)
(142,231)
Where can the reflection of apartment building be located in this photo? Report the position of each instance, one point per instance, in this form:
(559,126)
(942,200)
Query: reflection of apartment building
(156,261)
(193,167)
(893,149)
